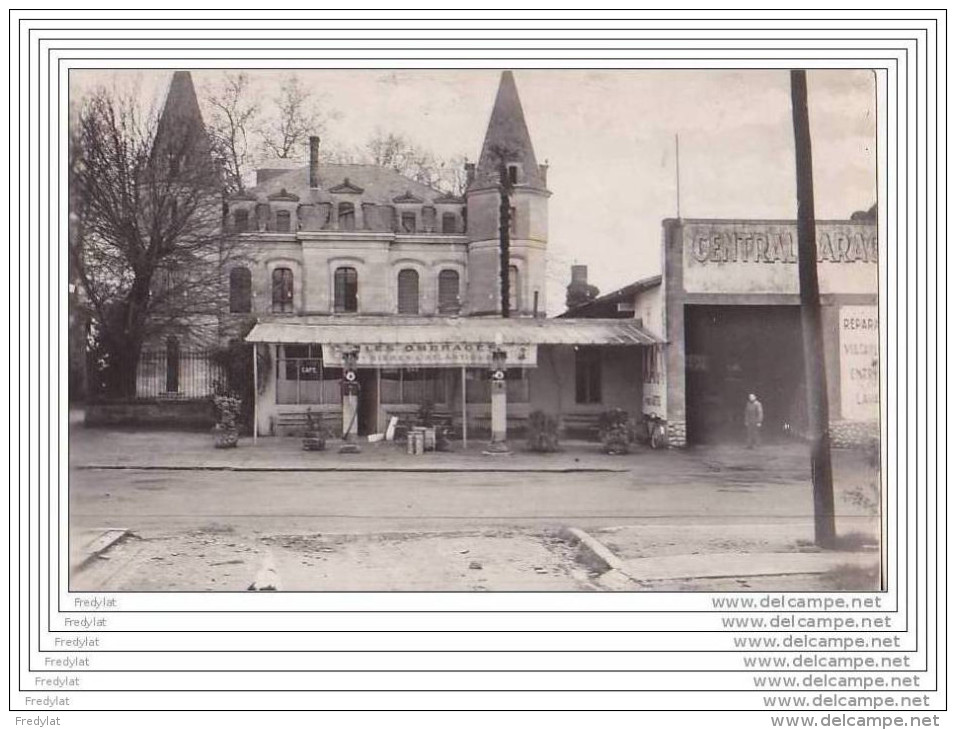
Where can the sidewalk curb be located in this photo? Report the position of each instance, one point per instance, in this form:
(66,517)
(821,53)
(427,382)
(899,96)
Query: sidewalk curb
(596,552)
(99,545)
(365,469)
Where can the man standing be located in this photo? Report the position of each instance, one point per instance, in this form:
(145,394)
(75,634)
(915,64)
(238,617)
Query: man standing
(753,419)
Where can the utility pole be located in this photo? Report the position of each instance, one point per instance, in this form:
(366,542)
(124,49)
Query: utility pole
(817,406)
(504,237)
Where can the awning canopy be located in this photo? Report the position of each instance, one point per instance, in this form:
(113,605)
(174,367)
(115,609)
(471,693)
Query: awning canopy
(397,330)
(444,342)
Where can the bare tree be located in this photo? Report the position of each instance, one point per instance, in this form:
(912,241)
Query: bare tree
(401,154)
(297,116)
(146,211)
(232,124)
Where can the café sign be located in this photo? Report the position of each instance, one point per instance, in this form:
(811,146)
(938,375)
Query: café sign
(431,354)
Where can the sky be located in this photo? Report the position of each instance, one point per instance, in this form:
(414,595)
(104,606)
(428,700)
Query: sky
(609,138)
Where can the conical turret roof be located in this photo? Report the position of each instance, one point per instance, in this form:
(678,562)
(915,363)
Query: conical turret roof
(181,120)
(507,137)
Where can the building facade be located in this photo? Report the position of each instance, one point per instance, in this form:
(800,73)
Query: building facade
(359,259)
(727,308)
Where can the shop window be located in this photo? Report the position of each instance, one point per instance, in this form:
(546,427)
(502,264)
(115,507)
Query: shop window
(240,221)
(240,289)
(346,289)
(514,289)
(346,217)
(301,377)
(408,291)
(449,301)
(282,290)
(478,385)
(408,222)
(283,221)
(172,365)
(587,375)
(449,223)
(412,386)
(519,386)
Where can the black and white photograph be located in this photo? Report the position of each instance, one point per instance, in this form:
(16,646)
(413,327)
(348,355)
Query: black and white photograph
(476,329)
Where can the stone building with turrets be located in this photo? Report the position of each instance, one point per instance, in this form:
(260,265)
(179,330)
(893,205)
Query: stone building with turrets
(356,265)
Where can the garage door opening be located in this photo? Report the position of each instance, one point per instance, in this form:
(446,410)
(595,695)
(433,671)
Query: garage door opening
(735,350)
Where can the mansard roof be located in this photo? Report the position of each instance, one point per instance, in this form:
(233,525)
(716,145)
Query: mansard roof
(375,184)
(507,137)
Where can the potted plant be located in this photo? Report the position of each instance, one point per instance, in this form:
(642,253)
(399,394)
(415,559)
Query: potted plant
(227,429)
(542,432)
(426,419)
(614,431)
(315,434)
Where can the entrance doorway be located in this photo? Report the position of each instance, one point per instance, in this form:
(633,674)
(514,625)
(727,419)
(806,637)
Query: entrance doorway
(732,351)
(368,401)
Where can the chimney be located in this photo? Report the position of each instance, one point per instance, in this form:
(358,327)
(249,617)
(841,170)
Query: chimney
(469,174)
(313,162)
(579,274)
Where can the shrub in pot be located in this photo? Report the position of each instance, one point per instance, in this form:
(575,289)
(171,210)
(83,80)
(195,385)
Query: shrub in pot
(615,436)
(315,434)
(542,432)
(227,429)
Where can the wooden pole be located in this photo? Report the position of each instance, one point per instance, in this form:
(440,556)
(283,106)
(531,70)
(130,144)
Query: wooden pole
(821,469)
(464,411)
(255,392)
(677,170)
(504,239)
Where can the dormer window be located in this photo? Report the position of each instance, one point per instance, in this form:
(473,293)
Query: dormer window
(408,222)
(346,217)
(513,174)
(240,220)
(283,221)
(449,223)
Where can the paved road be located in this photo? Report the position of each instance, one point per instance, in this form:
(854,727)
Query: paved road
(160,500)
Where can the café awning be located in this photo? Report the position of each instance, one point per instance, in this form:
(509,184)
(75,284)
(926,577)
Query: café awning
(352,330)
(445,342)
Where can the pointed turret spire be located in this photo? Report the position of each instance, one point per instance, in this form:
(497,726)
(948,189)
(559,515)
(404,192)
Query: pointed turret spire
(182,107)
(181,121)
(507,137)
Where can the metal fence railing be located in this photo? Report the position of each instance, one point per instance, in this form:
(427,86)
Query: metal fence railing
(182,374)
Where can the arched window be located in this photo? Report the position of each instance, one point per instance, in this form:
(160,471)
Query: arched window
(282,290)
(514,289)
(449,224)
(408,291)
(283,221)
(346,217)
(240,289)
(449,301)
(346,289)
(240,220)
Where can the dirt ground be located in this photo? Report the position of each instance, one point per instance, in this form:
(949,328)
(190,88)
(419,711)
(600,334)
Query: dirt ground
(274,517)
(216,558)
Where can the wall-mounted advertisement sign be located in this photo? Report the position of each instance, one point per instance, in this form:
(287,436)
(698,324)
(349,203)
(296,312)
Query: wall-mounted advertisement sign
(859,363)
(431,354)
(761,258)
